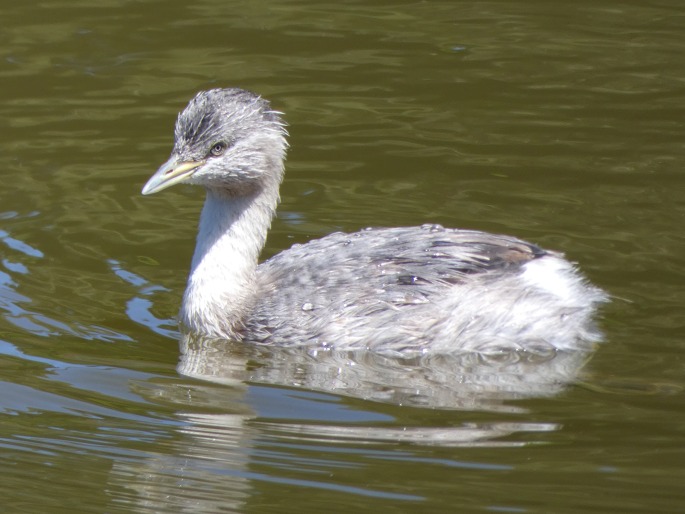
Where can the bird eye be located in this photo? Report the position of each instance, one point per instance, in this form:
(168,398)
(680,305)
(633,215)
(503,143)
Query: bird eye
(218,149)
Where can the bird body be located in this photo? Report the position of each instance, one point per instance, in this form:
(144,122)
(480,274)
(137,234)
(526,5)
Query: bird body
(399,290)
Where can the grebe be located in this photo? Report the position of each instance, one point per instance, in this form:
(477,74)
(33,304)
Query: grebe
(408,290)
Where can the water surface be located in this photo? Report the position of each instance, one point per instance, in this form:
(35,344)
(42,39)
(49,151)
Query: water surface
(561,124)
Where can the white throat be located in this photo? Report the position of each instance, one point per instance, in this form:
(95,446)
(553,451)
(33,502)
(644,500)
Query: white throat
(222,283)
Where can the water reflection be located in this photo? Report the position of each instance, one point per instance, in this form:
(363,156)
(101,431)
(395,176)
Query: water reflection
(201,468)
(238,432)
(472,381)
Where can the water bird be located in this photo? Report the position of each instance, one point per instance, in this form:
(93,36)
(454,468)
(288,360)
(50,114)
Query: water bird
(401,291)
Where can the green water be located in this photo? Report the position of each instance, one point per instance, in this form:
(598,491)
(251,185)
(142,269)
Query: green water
(559,123)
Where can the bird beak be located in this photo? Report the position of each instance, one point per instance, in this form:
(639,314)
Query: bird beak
(170,173)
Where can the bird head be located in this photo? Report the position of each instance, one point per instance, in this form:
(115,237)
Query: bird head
(225,139)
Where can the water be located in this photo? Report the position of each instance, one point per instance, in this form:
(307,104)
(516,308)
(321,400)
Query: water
(561,124)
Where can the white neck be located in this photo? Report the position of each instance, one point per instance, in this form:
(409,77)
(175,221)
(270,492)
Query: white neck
(222,284)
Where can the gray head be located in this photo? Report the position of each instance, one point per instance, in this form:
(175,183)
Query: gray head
(225,139)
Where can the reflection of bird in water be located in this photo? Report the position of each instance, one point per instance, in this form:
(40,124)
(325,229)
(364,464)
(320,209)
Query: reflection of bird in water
(464,381)
(395,290)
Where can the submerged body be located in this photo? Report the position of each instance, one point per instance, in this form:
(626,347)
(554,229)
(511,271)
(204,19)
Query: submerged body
(396,290)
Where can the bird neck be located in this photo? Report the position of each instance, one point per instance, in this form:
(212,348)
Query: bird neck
(222,283)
